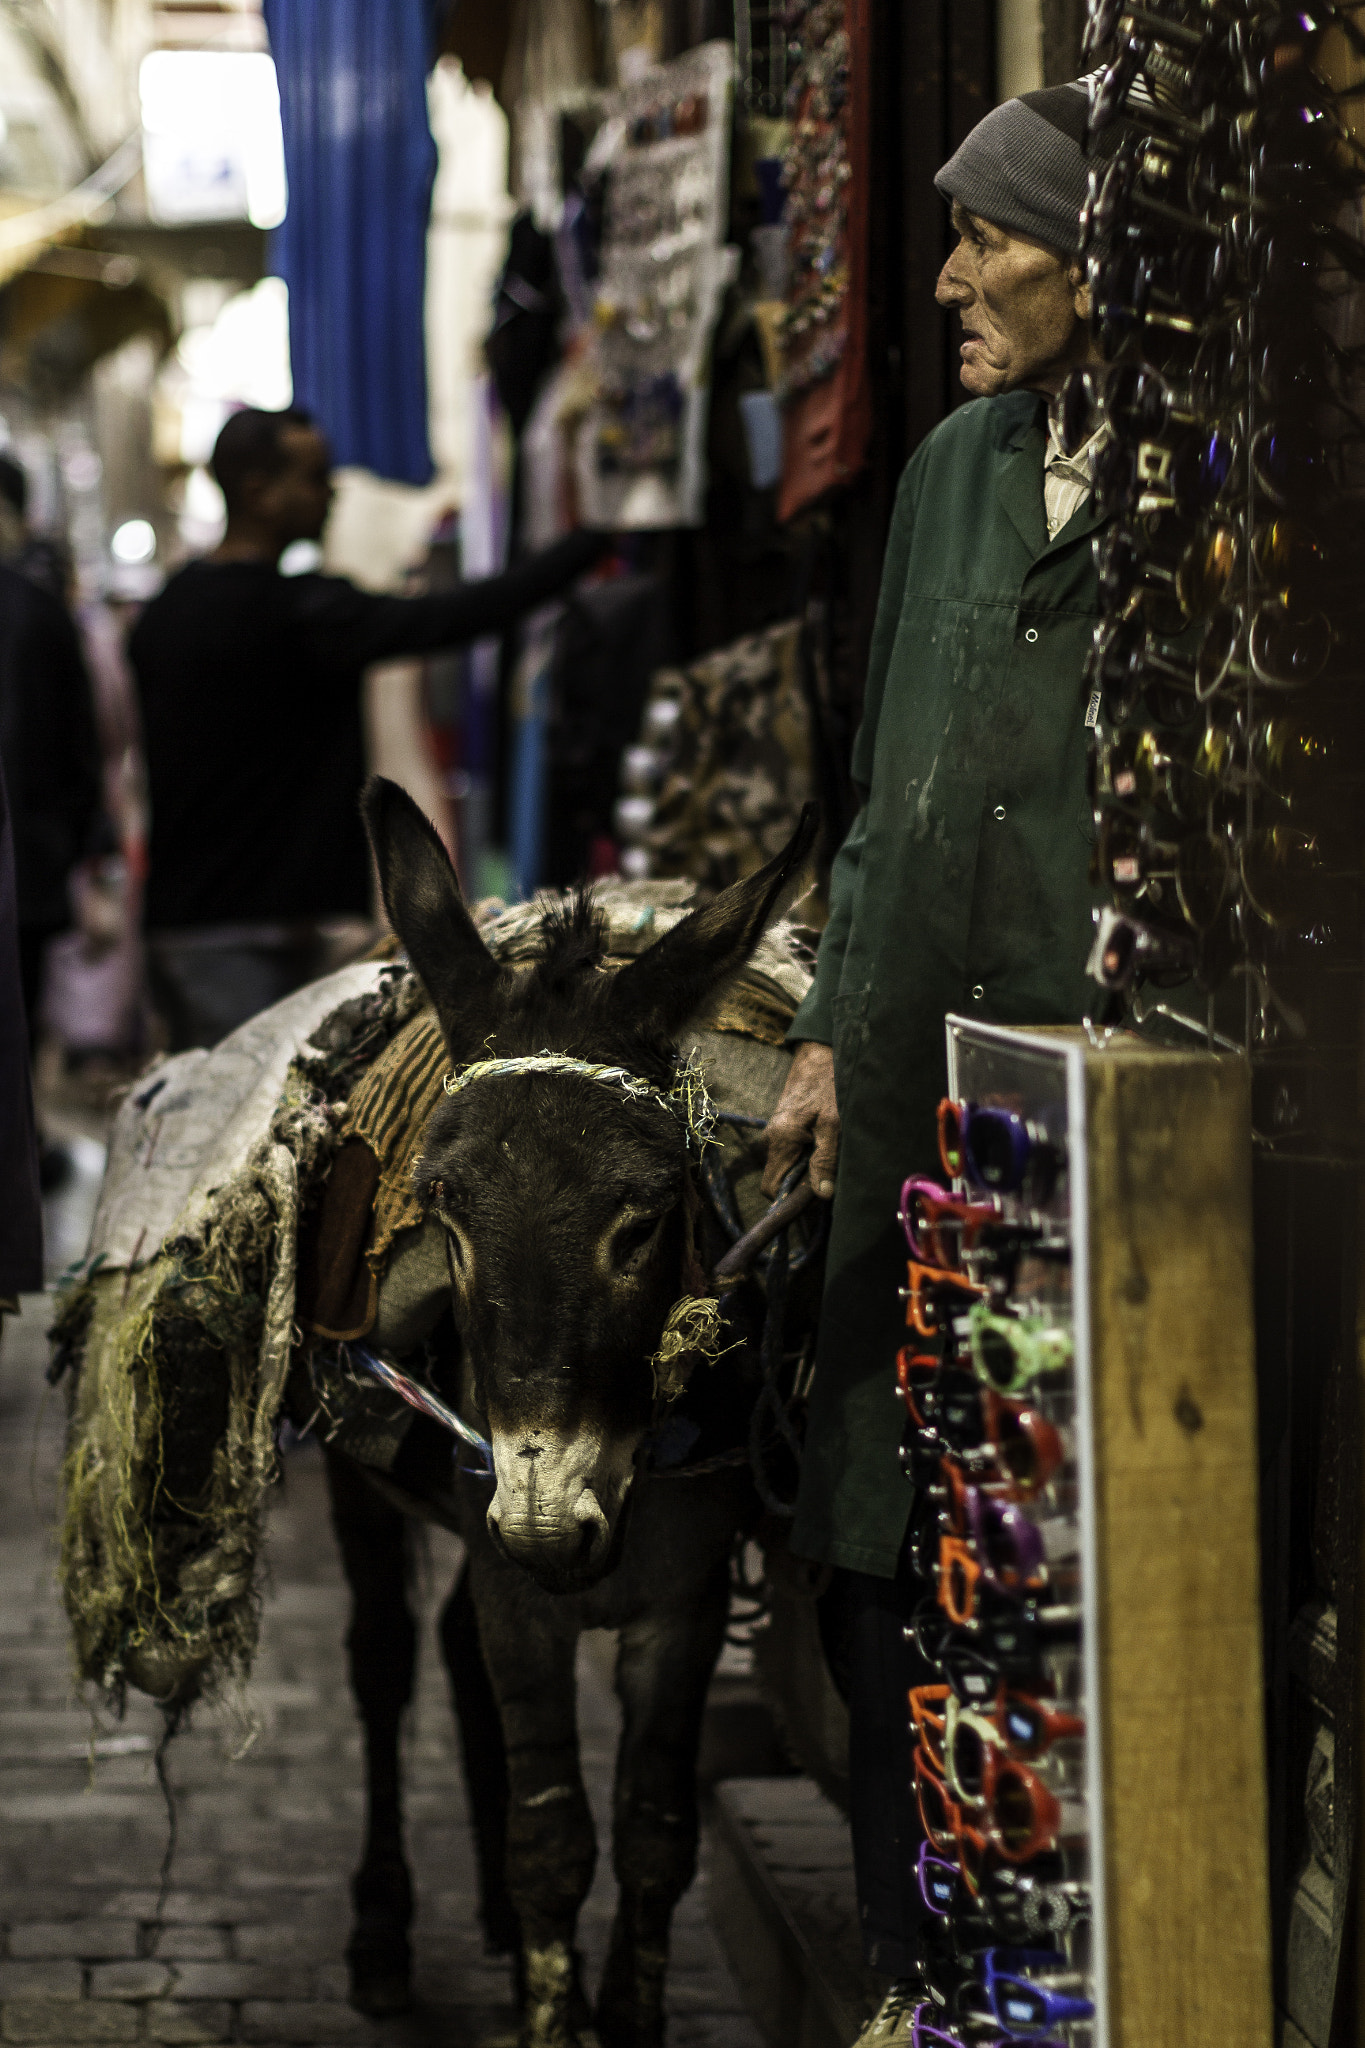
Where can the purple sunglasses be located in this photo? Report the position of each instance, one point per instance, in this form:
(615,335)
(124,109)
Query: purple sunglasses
(958,1215)
(938,1881)
(999,1148)
(924,2034)
(1008,1546)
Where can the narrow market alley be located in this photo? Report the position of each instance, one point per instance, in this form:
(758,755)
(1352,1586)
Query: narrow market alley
(681,861)
(249,1944)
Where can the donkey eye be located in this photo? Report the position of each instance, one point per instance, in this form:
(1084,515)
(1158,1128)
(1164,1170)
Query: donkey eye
(630,1242)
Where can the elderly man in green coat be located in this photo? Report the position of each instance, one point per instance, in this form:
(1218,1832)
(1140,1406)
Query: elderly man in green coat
(963,885)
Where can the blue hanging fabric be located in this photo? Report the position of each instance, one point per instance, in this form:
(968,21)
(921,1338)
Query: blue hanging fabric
(360,161)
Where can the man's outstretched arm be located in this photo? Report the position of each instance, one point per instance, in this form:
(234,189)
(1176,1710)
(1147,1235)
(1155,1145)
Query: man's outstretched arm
(345,624)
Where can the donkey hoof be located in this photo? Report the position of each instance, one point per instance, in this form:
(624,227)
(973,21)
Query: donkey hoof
(627,2029)
(381,1972)
(381,1998)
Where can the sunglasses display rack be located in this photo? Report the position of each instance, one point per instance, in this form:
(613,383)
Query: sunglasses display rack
(1224,246)
(1078,1384)
(1222,243)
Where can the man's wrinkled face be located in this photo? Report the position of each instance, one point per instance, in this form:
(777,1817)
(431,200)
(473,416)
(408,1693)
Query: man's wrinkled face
(1024,311)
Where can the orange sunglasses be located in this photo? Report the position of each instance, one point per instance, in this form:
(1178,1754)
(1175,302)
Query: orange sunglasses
(1028,1727)
(928,1714)
(950,1139)
(921,1311)
(915,1371)
(1028,1448)
(958,1573)
(1025,1816)
(943,1820)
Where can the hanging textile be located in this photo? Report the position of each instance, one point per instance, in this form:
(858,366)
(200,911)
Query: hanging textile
(829,398)
(549,56)
(360,162)
(665,269)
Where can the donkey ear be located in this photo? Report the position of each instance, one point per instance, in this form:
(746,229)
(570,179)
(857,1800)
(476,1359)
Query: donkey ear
(422,898)
(662,987)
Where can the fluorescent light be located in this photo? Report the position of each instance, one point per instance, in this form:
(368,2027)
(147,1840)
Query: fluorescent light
(134,541)
(212,144)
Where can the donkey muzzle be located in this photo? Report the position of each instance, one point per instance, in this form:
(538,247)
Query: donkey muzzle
(557,1504)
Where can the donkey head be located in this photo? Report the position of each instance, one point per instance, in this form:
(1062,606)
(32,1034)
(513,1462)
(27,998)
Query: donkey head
(563,1197)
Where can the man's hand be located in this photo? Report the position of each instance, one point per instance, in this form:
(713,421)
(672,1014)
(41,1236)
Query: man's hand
(807,1110)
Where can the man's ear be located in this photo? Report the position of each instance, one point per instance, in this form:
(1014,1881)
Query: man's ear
(425,907)
(659,990)
(1080,290)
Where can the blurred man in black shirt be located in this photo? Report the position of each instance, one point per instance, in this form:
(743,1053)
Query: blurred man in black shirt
(250,684)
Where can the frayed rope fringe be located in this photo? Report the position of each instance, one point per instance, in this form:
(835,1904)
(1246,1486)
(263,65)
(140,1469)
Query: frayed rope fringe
(693,1331)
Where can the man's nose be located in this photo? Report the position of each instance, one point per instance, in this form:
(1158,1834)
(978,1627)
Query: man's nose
(950,290)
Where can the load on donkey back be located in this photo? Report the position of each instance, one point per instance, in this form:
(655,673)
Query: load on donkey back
(489,1225)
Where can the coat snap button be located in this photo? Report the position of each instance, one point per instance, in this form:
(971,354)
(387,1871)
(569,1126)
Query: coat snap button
(1000,813)
(978,993)
(1031,633)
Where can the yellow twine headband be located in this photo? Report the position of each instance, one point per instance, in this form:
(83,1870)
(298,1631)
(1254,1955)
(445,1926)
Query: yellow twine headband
(687,1099)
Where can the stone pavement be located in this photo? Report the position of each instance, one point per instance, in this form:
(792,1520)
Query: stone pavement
(249,1945)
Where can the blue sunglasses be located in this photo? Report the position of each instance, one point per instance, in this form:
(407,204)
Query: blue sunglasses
(1022,2007)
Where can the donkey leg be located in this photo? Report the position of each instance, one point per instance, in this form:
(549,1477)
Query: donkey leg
(382,1646)
(485,1762)
(663,1669)
(529,1639)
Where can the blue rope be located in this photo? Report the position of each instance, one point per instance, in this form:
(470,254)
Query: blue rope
(424,1401)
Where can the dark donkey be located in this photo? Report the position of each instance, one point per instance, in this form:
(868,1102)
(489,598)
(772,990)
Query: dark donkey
(560,1208)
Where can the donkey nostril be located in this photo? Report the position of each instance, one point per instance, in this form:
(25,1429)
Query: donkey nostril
(588,1509)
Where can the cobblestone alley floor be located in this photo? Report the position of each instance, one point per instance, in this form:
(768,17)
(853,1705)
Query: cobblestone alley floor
(249,1947)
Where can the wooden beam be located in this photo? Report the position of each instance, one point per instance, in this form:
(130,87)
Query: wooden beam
(1175,1447)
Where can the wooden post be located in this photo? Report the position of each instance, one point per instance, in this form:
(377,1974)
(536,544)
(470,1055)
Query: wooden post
(1174,1393)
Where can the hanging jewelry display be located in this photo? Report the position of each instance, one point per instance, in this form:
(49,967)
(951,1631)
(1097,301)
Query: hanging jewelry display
(827,172)
(664,145)
(1221,241)
(816,172)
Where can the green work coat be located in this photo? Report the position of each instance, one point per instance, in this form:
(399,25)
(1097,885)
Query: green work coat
(963,885)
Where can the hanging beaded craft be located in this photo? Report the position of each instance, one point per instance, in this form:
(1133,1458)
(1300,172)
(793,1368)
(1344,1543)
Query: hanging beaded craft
(816,172)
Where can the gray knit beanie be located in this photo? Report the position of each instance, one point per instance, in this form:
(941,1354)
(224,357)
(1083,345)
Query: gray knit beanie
(1024,166)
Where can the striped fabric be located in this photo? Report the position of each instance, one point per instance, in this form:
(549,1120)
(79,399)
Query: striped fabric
(389,1111)
(391,1106)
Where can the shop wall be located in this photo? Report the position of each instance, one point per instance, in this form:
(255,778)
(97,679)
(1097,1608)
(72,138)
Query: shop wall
(1063,25)
(1018,47)
(934,76)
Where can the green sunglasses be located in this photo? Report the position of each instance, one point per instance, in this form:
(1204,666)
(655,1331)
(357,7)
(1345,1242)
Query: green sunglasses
(1010,1351)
